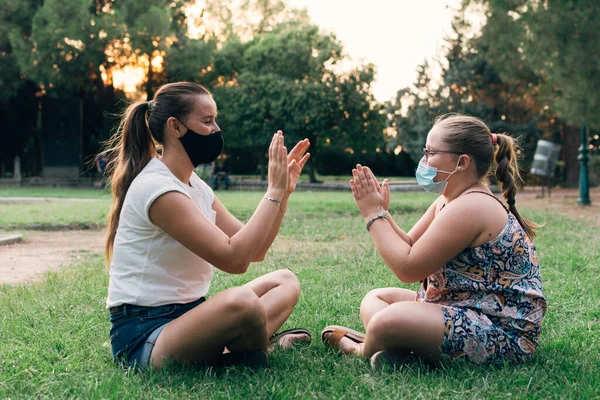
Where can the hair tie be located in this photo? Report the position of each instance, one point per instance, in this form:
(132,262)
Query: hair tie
(511,202)
(150,105)
(494,138)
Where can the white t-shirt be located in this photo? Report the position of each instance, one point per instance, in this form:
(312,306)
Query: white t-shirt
(149,267)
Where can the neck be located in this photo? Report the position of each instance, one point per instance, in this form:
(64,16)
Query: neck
(178,163)
(452,192)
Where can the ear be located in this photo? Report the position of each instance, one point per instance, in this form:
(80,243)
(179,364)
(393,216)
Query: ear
(176,127)
(463,162)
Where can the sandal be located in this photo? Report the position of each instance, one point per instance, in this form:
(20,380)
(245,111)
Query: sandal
(389,360)
(333,334)
(295,331)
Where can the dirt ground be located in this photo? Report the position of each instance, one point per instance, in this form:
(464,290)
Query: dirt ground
(45,251)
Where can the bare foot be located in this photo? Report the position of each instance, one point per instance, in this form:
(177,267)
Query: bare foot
(287,341)
(349,346)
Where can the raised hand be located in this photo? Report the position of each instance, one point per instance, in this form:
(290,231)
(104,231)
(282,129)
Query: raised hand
(278,166)
(296,161)
(368,195)
(384,189)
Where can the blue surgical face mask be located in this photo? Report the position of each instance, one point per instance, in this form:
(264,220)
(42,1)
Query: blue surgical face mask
(425,175)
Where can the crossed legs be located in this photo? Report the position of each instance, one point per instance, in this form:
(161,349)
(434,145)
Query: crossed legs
(394,320)
(239,318)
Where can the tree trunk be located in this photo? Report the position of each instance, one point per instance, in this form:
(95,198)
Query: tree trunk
(571,138)
(311,166)
(262,167)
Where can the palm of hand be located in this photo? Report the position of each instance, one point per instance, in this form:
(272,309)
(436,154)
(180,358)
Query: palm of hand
(368,194)
(296,161)
(294,175)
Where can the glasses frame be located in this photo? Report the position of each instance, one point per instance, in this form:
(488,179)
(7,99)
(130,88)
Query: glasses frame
(427,152)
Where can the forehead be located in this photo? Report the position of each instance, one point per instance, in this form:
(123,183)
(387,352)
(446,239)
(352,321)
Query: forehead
(435,137)
(204,105)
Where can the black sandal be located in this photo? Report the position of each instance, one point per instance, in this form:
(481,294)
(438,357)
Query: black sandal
(296,331)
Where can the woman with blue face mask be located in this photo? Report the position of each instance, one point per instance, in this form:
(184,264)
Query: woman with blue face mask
(167,231)
(481,292)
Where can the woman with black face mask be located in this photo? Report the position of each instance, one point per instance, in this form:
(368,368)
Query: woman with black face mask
(167,229)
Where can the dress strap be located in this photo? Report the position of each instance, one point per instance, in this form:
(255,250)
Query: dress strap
(492,196)
(481,191)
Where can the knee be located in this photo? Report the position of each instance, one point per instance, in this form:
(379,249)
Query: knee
(368,299)
(245,305)
(388,324)
(378,327)
(287,278)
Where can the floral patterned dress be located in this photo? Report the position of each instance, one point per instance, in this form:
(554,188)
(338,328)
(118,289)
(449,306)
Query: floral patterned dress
(491,297)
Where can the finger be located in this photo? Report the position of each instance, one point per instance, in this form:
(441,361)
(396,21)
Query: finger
(272,145)
(371,176)
(283,156)
(353,187)
(363,178)
(279,147)
(386,191)
(357,181)
(299,149)
(304,159)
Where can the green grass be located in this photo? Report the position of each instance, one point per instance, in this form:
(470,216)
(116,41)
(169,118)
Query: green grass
(328,178)
(54,334)
(91,211)
(54,192)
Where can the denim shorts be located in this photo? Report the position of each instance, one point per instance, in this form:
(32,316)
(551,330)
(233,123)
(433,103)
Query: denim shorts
(134,330)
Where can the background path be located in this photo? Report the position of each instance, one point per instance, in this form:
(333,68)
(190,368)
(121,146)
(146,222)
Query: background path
(46,251)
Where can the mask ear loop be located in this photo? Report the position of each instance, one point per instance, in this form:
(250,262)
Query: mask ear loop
(450,173)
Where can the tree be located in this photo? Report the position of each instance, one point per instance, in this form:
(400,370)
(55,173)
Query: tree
(281,80)
(470,85)
(559,40)
(18,104)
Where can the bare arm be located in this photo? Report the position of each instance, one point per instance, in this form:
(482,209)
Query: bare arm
(412,263)
(231,225)
(296,159)
(417,230)
(180,218)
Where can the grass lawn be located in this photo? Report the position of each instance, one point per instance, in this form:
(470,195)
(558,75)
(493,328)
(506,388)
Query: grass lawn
(54,192)
(55,333)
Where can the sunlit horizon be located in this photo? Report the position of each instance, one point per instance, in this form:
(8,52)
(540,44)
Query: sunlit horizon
(395,36)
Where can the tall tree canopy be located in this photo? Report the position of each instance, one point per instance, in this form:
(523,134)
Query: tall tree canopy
(469,84)
(560,40)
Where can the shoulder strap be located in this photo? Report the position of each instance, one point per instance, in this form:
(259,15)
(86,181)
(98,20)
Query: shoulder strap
(481,191)
(491,195)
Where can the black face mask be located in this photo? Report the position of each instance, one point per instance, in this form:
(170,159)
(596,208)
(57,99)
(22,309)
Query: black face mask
(202,149)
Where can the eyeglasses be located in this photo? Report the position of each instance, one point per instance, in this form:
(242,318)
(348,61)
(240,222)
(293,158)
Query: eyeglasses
(428,152)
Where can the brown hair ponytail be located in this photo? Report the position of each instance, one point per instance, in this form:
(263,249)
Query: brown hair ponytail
(128,151)
(507,172)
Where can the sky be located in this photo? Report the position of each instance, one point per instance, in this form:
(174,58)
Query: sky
(395,35)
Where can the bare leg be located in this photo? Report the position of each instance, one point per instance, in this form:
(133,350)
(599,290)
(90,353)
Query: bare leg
(235,318)
(406,327)
(378,299)
(279,292)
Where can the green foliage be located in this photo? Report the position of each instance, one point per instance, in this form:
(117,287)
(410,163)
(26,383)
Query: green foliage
(559,39)
(282,79)
(15,16)
(61,47)
(470,84)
